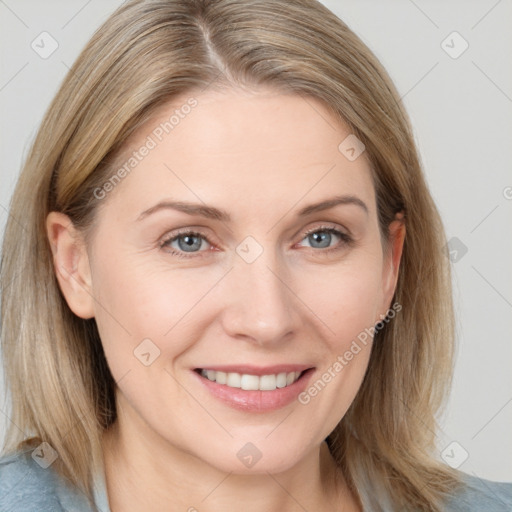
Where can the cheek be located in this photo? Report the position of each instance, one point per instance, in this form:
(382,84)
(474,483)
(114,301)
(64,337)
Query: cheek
(137,302)
(348,298)
(348,301)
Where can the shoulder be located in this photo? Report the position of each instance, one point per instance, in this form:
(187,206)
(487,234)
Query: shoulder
(477,494)
(26,486)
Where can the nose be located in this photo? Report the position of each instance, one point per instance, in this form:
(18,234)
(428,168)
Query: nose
(261,305)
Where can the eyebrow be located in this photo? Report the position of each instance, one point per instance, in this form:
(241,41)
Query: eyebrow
(210,212)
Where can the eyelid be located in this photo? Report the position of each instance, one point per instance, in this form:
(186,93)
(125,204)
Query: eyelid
(327,226)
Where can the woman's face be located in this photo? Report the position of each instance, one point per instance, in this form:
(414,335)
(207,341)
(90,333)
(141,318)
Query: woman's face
(269,263)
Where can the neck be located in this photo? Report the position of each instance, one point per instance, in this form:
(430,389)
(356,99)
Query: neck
(144,473)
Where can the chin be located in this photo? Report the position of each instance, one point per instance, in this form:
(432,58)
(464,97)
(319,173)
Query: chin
(258,457)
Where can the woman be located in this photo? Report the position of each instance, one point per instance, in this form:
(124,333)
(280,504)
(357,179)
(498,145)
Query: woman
(177,339)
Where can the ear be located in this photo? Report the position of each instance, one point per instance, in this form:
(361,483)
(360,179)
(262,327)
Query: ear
(71,264)
(392,260)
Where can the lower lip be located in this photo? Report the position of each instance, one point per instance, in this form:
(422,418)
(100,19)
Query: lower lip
(256,401)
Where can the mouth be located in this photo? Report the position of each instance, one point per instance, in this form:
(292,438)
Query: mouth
(252,381)
(255,389)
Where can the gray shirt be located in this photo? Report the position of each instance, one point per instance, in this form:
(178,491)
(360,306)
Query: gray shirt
(25,486)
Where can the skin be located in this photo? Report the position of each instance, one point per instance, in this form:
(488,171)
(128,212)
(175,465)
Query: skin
(262,156)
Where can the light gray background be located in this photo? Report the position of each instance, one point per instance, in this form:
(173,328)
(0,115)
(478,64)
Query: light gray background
(461,111)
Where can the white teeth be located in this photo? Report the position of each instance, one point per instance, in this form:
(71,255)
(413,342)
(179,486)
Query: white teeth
(281,380)
(268,382)
(234,380)
(252,382)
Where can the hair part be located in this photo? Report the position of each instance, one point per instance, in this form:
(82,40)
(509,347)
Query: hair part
(147,53)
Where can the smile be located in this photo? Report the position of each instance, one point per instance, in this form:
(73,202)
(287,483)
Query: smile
(256,389)
(251,382)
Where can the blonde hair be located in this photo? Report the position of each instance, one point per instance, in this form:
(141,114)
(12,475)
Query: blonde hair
(146,53)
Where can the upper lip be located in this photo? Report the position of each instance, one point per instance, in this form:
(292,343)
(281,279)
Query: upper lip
(257,370)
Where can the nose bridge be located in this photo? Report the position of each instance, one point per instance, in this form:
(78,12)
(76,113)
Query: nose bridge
(261,306)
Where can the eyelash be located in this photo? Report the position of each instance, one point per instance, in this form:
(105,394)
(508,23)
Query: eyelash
(345,240)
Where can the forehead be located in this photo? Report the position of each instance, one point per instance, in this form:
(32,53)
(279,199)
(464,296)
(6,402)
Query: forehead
(262,148)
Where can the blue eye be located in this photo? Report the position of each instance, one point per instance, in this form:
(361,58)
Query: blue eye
(188,242)
(323,237)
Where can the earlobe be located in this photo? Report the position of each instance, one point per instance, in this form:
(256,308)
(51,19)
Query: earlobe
(71,264)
